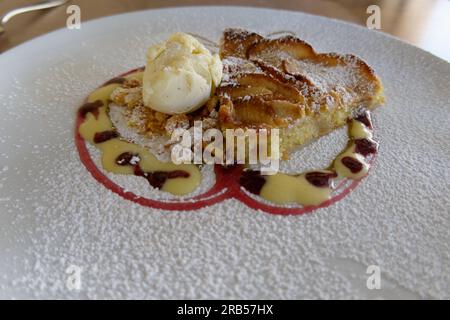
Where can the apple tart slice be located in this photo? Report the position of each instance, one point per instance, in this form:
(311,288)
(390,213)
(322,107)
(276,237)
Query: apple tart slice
(283,83)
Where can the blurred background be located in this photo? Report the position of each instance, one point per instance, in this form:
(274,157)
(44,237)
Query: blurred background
(424,23)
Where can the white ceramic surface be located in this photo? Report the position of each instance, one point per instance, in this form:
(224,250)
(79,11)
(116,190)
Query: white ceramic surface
(53,214)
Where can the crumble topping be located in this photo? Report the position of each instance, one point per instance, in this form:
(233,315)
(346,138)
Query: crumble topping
(152,123)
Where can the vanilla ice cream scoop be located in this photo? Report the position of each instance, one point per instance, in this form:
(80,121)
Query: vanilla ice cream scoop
(180,75)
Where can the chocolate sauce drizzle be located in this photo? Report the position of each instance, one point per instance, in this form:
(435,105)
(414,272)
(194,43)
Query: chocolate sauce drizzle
(103,136)
(125,159)
(365,118)
(156,178)
(320,179)
(252,181)
(90,107)
(352,164)
(365,146)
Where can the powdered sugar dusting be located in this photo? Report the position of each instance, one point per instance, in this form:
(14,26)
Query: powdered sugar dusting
(237,66)
(156,144)
(326,78)
(54,214)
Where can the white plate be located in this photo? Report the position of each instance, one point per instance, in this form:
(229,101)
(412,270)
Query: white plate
(53,214)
